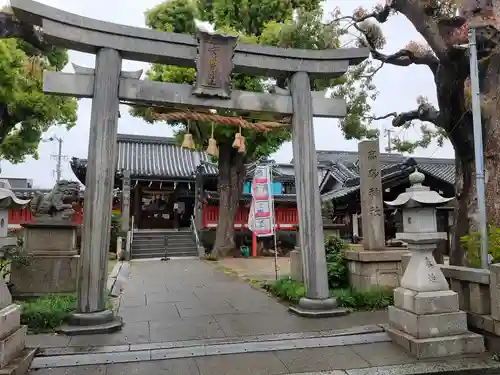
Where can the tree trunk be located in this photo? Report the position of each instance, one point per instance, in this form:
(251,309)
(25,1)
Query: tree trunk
(457,121)
(231,176)
(490,109)
(465,207)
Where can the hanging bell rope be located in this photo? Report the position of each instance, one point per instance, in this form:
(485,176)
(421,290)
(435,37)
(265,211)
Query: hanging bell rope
(262,126)
(188,138)
(212,144)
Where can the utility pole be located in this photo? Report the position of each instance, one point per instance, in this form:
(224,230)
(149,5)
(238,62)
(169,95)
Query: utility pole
(389,139)
(59,157)
(478,146)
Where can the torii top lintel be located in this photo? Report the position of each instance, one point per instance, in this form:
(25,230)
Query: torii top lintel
(85,34)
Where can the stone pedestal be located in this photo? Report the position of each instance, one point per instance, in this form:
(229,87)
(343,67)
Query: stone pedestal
(15,358)
(369,269)
(53,261)
(425,318)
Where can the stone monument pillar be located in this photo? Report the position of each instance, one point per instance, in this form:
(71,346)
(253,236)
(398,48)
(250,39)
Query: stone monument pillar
(372,264)
(15,357)
(425,318)
(372,207)
(125,220)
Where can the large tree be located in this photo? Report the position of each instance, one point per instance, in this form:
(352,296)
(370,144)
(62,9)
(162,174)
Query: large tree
(267,22)
(25,111)
(443,24)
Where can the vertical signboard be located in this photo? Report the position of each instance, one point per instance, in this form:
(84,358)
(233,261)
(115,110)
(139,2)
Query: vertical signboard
(261,217)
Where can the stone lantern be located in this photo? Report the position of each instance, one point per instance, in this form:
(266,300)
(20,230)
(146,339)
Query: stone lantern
(425,318)
(14,356)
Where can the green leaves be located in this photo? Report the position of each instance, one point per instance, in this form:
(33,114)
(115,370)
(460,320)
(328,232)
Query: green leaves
(25,111)
(267,22)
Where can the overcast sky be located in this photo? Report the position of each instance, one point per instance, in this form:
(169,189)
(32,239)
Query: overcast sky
(398,88)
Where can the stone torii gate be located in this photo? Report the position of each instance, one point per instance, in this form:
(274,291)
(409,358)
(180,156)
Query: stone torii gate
(215,57)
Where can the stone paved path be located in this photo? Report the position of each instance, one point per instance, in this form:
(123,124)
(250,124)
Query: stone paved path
(368,359)
(190,299)
(261,268)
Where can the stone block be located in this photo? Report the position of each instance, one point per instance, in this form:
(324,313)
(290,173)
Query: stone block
(482,322)
(473,275)
(388,280)
(374,269)
(495,291)
(50,236)
(296,271)
(437,347)
(11,345)
(405,259)
(20,365)
(426,326)
(45,275)
(10,320)
(5,296)
(426,302)
(479,298)
(462,289)
(382,255)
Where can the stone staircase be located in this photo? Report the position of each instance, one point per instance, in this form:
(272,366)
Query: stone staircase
(150,244)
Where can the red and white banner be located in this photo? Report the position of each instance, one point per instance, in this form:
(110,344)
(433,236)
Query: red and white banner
(261,217)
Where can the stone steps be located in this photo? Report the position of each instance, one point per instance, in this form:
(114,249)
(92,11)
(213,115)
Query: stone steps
(151,244)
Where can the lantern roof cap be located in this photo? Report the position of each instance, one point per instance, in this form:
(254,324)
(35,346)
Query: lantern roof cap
(418,194)
(7,197)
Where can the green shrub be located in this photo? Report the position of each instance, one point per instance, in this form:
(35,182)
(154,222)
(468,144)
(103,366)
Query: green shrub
(211,257)
(115,230)
(286,289)
(471,244)
(336,265)
(47,313)
(290,290)
(375,299)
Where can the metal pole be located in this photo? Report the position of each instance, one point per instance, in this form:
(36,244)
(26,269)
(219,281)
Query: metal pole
(389,140)
(59,157)
(478,146)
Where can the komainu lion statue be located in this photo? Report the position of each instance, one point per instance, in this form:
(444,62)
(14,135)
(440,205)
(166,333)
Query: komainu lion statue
(58,204)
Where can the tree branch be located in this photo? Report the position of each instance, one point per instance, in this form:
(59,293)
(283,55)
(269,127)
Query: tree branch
(13,28)
(425,112)
(404,57)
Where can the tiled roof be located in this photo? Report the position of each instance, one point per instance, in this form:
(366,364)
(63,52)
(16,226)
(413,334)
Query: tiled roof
(443,169)
(146,156)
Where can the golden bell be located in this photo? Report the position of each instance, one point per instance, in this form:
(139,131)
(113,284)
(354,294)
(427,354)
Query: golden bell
(212,147)
(242,149)
(237,141)
(188,141)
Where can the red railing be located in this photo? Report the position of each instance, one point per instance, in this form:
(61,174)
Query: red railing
(286,218)
(21,216)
